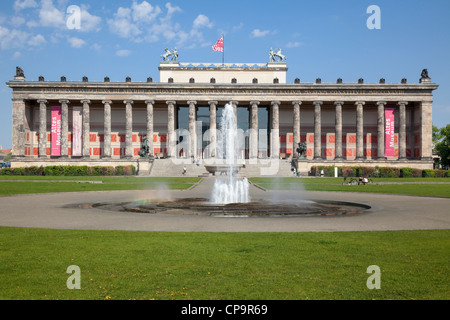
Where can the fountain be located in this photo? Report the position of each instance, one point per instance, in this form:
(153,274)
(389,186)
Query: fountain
(230,194)
(230,189)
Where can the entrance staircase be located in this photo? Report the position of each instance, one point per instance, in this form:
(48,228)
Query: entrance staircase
(174,168)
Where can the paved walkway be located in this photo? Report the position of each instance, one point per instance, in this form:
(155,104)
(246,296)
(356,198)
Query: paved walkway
(56,210)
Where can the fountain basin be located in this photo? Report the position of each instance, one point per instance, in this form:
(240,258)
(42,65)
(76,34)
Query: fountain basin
(223,169)
(260,208)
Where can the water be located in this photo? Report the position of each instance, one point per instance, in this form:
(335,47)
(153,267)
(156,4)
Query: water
(229,189)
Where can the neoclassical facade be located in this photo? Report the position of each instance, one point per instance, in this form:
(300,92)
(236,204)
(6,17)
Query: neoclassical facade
(104,122)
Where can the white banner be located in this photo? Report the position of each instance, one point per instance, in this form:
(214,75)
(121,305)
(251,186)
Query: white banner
(77,127)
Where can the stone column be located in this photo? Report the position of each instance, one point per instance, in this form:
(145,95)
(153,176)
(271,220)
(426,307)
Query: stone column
(275,132)
(42,128)
(426,130)
(235,104)
(150,104)
(338,130)
(359,130)
(128,128)
(18,132)
(296,128)
(64,128)
(107,128)
(86,128)
(402,130)
(254,130)
(380,130)
(171,128)
(213,127)
(192,133)
(317,130)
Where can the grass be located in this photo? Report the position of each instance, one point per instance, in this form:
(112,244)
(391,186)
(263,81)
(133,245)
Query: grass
(406,186)
(10,185)
(280,266)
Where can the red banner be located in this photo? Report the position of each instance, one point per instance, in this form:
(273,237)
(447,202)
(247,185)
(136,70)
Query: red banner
(56,131)
(389,132)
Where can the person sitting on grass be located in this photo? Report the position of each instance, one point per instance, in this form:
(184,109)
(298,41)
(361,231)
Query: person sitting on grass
(363,180)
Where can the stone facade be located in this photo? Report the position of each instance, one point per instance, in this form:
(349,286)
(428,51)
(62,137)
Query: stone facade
(342,123)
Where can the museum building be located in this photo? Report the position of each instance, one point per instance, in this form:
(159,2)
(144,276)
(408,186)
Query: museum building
(106,123)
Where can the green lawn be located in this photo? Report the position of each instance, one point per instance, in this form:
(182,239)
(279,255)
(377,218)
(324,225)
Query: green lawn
(10,185)
(279,266)
(408,186)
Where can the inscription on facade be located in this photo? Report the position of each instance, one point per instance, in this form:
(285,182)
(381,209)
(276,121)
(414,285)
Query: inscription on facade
(177,91)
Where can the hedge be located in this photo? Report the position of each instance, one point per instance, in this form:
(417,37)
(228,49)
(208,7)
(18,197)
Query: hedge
(70,171)
(378,172)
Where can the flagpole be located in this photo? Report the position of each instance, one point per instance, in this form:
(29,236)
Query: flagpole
(223,51)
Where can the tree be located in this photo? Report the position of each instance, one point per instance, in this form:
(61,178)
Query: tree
(7,157)
(441,142)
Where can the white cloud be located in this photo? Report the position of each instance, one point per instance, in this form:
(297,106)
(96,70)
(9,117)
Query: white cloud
(89,22)
(17,55)
(259,33)
(202,21)
(123,53)
(17,21)
(50,16)
(96,47)
(144,22)
(294,44)
(122,25)
(76,42)
(24,4)
(12,38)
(37,40)
(144,12)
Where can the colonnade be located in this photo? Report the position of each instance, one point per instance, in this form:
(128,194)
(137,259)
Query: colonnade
(253,138)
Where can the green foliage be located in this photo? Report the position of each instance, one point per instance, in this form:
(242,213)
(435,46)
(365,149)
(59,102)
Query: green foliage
(441,140)
(379,172)
(428,173)
(388,172)
(406,172)
(70,171)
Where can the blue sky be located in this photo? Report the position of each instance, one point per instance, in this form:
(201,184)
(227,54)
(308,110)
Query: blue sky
(326,39)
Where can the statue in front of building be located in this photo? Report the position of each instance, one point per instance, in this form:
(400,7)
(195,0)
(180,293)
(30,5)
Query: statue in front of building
(301,150)
(170,55)
(145,150)
(276,54)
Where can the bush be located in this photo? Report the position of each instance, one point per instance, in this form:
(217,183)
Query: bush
(387,172)
(416,173)
(367,171)
(428,173)
(34,171)
(406,172)
(5,172)
(447,173)
(17,171)
(348,172)
(70,171)
(329,171)
(439,173)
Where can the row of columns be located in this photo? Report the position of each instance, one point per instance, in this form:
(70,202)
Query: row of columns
(253,152)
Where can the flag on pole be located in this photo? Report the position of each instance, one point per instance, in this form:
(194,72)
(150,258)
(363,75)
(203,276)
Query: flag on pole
(219,45)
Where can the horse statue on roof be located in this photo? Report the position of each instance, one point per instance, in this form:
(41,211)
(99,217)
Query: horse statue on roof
(276,54)
(172,54)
